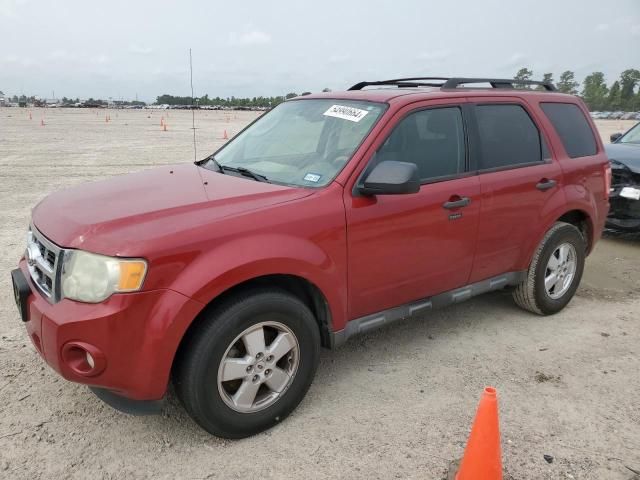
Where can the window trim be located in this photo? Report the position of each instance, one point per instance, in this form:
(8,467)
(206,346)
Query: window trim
(463,107)
(477,158)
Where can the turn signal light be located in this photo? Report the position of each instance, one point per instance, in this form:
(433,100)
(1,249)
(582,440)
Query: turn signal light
(131,275)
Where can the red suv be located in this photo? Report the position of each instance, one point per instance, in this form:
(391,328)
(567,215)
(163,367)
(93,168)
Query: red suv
(331,215)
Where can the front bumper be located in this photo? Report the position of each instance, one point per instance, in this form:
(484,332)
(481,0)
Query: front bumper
(132,337)
(624,213)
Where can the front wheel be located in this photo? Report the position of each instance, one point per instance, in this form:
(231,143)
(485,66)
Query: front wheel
(555,271)
(249,364)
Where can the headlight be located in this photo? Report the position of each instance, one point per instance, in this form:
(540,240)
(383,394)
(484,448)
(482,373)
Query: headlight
(92,278)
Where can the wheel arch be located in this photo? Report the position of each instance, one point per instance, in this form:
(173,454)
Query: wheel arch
(583,222)
(301,288)
(574,215)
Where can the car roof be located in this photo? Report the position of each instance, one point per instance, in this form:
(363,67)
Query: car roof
(413,94)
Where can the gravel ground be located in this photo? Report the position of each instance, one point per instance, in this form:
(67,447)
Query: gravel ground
(397,403)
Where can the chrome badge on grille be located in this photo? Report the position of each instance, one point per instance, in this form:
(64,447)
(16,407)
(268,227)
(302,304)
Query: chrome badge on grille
(31,254)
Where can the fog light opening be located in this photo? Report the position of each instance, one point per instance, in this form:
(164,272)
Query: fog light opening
(83,359)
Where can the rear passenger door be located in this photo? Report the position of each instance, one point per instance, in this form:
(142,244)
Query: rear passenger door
(517,179)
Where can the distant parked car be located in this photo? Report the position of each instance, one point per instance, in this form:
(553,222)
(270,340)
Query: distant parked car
(624,198)
(628,116)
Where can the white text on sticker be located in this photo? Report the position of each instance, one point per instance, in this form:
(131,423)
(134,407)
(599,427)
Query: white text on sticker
(346,113)
(312,177)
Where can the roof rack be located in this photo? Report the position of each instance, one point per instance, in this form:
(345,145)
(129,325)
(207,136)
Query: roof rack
(403,82)
(497,83)
(451,83)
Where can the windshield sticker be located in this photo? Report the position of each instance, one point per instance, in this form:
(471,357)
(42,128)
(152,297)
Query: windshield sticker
(312,177)
(346,113)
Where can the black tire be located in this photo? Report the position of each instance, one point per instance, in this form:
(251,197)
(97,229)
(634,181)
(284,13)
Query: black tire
(531,293)
(195,376)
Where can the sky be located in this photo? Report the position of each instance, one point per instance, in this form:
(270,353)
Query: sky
(123,49)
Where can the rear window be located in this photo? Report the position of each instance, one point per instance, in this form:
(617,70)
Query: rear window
(572,127)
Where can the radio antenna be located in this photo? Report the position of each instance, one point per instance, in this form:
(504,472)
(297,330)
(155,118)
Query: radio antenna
(193,112)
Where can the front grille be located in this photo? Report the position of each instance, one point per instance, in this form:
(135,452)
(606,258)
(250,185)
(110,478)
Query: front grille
(44,260)
(620,177)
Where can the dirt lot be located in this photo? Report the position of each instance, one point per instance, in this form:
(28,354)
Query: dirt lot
(397,403)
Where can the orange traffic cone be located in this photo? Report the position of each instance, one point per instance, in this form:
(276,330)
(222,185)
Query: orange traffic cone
(482,458)
(225,136)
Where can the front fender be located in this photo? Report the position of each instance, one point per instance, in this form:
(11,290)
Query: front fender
(242,259)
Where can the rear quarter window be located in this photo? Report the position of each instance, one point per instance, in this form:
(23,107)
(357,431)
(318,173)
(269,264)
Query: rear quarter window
(572,127)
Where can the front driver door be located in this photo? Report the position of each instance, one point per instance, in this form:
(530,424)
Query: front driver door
(403,248)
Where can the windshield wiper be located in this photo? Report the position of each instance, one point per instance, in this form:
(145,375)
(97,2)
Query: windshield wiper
(243,171)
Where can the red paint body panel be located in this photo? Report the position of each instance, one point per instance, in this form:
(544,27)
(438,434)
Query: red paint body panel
(584,188)
(393,242)
(203,233)
(137,214)
(137,332)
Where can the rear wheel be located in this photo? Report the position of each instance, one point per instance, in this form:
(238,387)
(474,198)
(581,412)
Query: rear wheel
(249,364)
(555,271)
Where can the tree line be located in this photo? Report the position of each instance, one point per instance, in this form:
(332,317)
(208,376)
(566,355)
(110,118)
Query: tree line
(249,102)
(622,94)
(33,100)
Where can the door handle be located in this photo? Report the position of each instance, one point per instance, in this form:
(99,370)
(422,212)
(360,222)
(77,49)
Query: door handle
(545,184)
(461,202)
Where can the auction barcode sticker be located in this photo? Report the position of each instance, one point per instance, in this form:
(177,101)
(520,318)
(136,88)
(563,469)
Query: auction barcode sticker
(346,113)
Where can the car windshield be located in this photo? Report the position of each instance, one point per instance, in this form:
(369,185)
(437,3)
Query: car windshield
(632,136)
(300,142)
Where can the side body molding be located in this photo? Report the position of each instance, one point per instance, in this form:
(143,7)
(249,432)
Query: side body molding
(380,319)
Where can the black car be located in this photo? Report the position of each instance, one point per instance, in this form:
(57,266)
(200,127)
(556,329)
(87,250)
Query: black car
(624,155)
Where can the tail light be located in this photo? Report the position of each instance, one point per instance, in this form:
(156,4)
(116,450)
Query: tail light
(607,180)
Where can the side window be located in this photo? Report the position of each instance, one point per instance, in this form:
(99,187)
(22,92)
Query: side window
(572,127)
(433,139)
(508,136)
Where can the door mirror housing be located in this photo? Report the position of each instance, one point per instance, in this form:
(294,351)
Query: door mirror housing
(615,136)
(391,178)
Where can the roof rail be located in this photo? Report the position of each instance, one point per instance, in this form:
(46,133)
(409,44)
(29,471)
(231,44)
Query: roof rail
(450,83)
(403,82)
(497,83)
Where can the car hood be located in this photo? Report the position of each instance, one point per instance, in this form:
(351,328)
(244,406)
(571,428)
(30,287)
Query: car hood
(626,153)
(117,216)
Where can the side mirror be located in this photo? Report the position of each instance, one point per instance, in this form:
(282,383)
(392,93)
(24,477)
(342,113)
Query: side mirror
(391,178)
(615,136)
